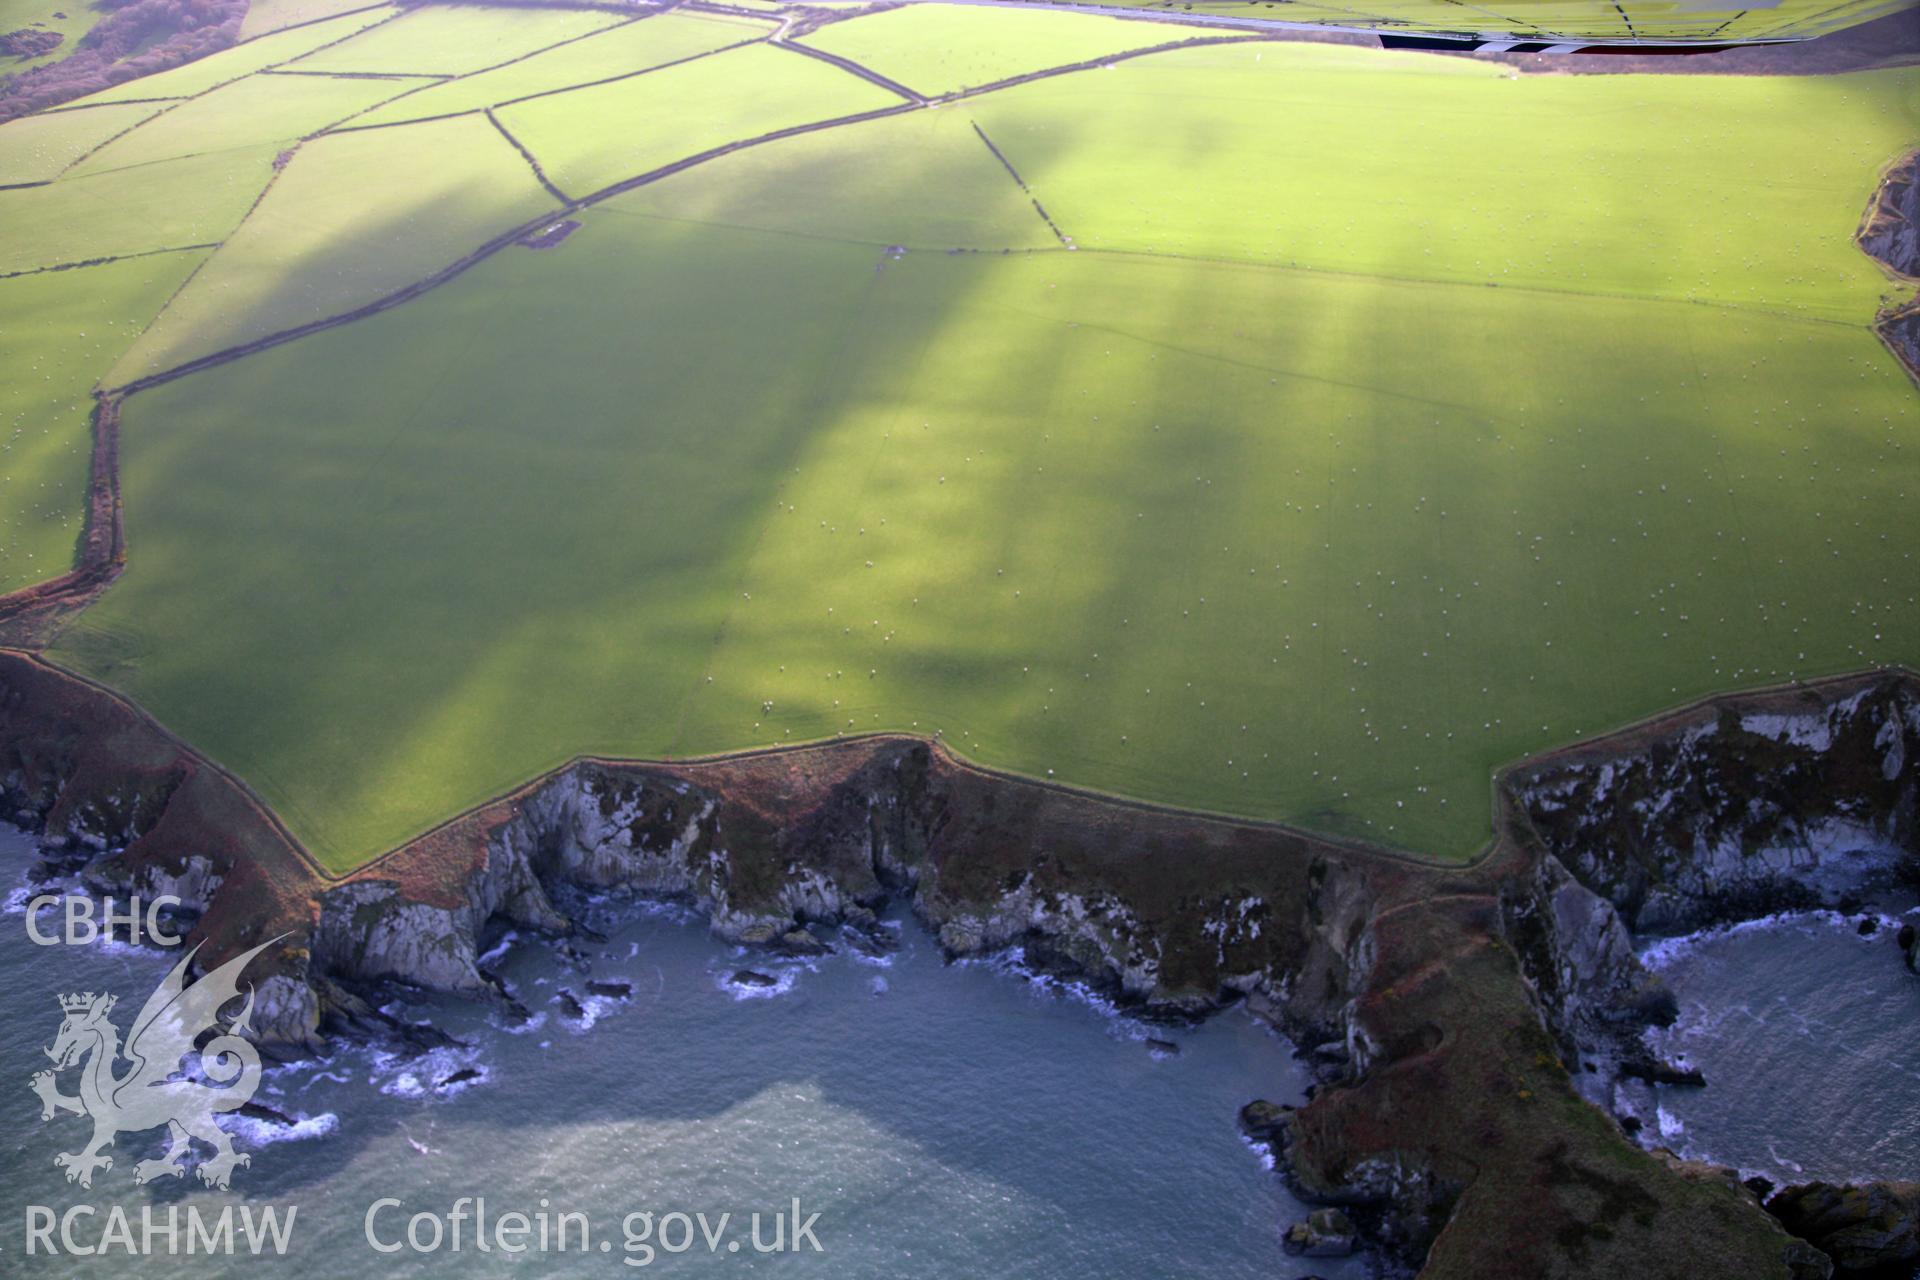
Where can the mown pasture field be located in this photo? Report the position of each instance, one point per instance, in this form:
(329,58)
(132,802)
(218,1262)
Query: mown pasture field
(40,148)
(451,40)
(60,331)
(353,216)
(592,138)
(1743,191)
(628,49)
(852,186)
(267,16)
(949,47)
(259,109)
(192,200)
(1319,457)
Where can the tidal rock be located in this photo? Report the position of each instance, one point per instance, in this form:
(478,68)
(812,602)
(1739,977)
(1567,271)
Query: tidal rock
(1326,1233)
(1908,941)
(344,1007)
(1163,1048)
(612,990)
(1264,1121)
(511,1007)
(569,1004)
(753,978)
(1659,1071)
(865,934)
(1265,1124)
(798,942)
(1868,926)
(265,1114)
(1867,1230)
(868,945)
(460,1077)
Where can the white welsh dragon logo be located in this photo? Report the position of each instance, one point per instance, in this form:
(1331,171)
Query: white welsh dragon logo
(153,1091)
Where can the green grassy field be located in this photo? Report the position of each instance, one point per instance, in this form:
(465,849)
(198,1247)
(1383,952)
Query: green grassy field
(39,148)
(266,16)
(192,200)
(623,50)
(59,333)
(852,187)
(1388,419)
(591,138)
(959,493)
(1743,190)
(455,39)
(246,113)
(351,218)
(947,47)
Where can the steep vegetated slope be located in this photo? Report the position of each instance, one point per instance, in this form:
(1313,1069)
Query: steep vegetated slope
(36,32)
(255,54)
(133,38)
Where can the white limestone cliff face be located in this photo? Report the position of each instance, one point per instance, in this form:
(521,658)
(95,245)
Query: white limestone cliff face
(600,830)
(1741,814)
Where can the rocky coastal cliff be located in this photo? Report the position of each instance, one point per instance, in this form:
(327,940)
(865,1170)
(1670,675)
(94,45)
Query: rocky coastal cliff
(780,851)
(1890,231)
(1890,234)
(1779,801)
(1786,800)
(1775,802)
(1443,1010)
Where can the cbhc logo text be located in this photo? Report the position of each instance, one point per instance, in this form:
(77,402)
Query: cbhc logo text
(82,921)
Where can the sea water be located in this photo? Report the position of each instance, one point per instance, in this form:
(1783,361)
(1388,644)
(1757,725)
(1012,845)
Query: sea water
(942,1120)
(1808,1035)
